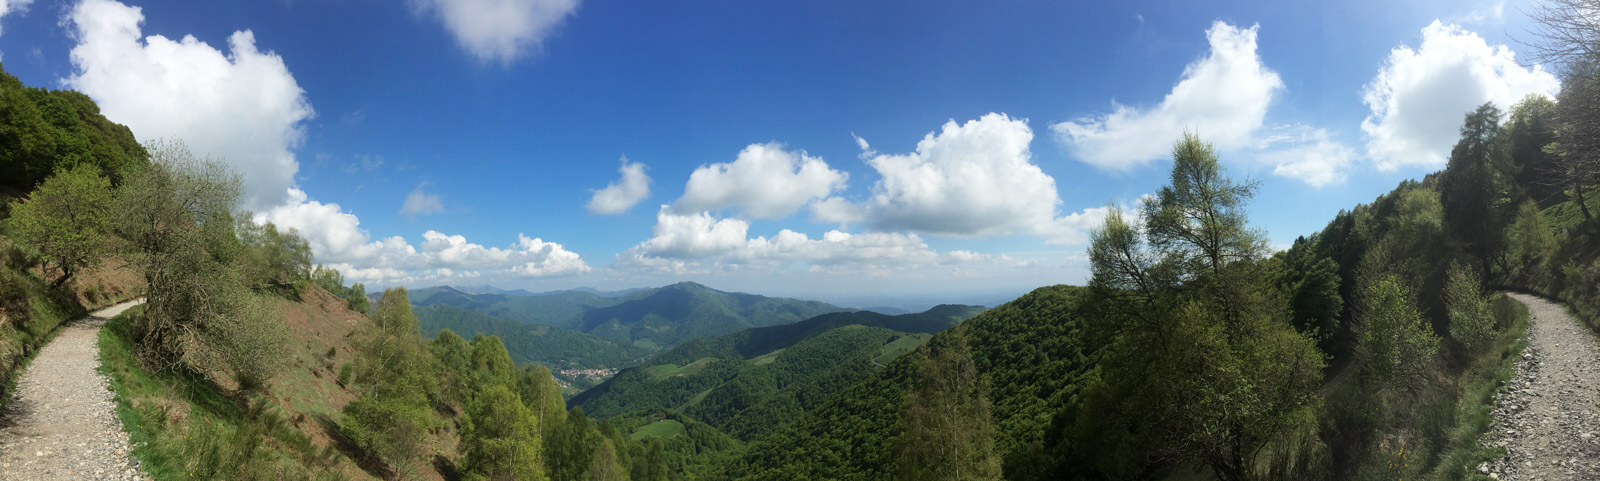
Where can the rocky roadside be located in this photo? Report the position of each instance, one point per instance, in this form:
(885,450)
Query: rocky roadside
(1548,418)
(62,422)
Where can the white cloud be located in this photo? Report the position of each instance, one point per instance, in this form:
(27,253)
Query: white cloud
(1306,154)
(836,210)
(1223,96)
(972,179)
(692,236)
(1420,96)
(681,242)
(763,182)
(419,202)
(617,197)
(337,240)
(1485,14)
(499,30)
(18,7)
(242,107)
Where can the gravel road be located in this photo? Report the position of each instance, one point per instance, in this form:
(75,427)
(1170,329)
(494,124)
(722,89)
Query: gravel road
(1548,419)
(62,423)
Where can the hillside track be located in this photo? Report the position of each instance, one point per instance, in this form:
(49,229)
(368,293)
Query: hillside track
(62,422)
(1548,418)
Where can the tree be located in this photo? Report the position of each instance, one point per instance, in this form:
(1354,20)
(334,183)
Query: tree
(66,219)
(1395,344)
(1470,186)
(1529,246)
(571,452)
(1530,128)
(499,437)
(1200,362)
(606,465)
(395,379)
(949,433)
(1471,322)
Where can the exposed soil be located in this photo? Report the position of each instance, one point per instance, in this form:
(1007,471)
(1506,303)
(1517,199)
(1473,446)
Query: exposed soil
(1548,418)
(61,422)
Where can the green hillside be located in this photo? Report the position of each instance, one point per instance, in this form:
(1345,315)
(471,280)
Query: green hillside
(537,343)
(751,381)
(1030,350)
(650,319)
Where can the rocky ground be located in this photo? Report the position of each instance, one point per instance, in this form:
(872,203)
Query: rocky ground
(1548,419)
(62,423)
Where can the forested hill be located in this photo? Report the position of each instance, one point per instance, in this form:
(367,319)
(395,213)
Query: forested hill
(1031,351)
(531,343)
(649,318)
(779,370)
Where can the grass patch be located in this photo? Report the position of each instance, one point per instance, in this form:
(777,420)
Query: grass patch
(659,429)
(185,427)
(664,371)
(898,347)
(767,358)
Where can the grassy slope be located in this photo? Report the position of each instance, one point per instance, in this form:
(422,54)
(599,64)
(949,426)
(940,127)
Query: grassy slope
(184,426)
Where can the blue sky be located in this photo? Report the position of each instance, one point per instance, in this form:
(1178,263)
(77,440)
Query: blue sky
(840,150)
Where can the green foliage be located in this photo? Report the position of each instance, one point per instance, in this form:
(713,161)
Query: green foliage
(1031,349)
(1396,345)
(1201,363)
(394,379)
(66,220)
(1473,185)
(543,344)
(331,280)
(688,448)
(273,260)
(45,131)
(499,437)
(949,433)
(176,215)
(1471,322)
(1529,128)
(1530,246)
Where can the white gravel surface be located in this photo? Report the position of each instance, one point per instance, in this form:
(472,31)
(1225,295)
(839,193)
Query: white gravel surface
(1548,418)
(61,422)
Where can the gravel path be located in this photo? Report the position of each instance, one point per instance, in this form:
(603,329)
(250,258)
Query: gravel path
(62,423)
(1548,419)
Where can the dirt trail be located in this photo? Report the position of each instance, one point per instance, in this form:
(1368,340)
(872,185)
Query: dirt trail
(62,423)
(1548,419)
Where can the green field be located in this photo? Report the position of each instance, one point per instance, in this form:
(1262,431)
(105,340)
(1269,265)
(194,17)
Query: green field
(660,429)
(898,347)
(668,370)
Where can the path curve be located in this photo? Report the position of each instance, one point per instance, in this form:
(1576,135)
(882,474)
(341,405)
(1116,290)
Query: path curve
(62,423)
(1548,418)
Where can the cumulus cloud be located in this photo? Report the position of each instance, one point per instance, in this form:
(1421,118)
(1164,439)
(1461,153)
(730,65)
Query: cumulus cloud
(971,179)
(692,236)
(680,242)
(1306,154)
(617,197)
(763,182)
(8,7)
(499,30)
(1419,96)
(337,239)
(419,202)
(1224,96)
(242,107)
